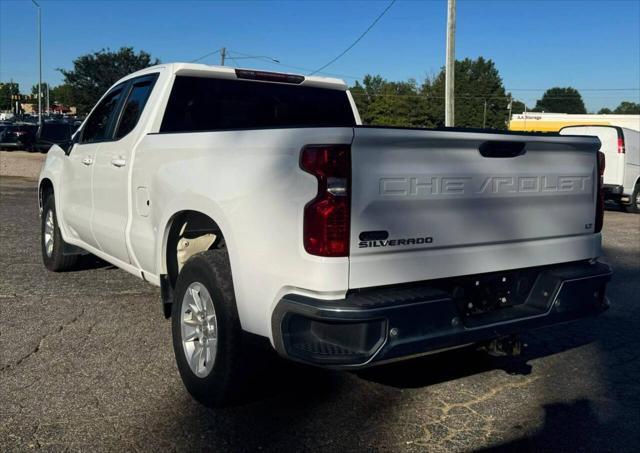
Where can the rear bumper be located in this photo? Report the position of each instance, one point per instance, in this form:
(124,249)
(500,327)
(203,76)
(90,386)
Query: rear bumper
(378,325)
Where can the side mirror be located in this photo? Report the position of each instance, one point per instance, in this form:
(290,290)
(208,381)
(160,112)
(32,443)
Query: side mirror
(68,145)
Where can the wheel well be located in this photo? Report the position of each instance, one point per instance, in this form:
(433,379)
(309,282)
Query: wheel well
(203,233)
(44,191)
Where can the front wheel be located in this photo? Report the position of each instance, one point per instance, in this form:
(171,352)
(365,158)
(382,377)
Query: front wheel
(51,240)
(211,350)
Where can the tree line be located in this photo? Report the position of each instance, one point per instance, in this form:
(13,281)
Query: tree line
(481,99)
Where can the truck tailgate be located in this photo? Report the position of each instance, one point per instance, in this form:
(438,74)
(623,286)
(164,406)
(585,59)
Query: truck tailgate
(433,204)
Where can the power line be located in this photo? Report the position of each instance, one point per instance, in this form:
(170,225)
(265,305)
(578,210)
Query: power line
(205,56)
(254,57)
(279,63)
(357,40)
(489,96)
(478,96)
(244,56)
(344,76)
(579,89)
(319,70)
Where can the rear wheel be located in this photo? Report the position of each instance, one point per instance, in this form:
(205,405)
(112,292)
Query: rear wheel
(212,352)
(51,240)
(634,202)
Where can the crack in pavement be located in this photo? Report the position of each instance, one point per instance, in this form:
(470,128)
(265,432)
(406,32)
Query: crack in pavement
(487,420)
(35,350)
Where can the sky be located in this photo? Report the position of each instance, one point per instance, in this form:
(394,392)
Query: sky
(591,45)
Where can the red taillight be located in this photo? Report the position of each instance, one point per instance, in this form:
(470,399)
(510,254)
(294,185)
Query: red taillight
(620,145)
(600,199)
(327,217)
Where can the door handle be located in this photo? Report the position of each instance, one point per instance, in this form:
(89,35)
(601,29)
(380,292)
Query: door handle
(496,148)
(118,162)
(87,160)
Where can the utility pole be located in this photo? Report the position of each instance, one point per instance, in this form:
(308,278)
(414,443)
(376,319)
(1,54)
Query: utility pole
(449,89)
(223,55)
(484,115)
(39,62)
(48,103)
(11,100)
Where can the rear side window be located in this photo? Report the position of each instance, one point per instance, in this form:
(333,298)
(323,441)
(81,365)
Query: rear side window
(97,126)
(207,104)
(134,105)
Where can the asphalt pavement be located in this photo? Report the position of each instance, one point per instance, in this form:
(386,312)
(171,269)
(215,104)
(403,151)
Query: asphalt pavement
(86,364)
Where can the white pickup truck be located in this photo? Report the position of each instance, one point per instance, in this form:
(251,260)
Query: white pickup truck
(264,209)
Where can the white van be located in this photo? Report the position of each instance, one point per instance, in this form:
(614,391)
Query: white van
(621,147)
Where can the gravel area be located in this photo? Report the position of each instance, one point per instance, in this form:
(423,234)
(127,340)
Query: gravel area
(21,163)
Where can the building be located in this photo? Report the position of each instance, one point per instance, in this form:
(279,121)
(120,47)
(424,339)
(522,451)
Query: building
(32,109)
(553,122)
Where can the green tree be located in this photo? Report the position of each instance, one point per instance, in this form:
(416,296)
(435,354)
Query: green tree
(34,90)
(604,111)
(627,108)
(518,107)
(6,91)
(389,103)
(94,73)
(61,94)
(34,96)
(362,97)
(476,82)
(561,100)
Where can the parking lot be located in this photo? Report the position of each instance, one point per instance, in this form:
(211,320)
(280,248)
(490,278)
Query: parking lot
(86,364)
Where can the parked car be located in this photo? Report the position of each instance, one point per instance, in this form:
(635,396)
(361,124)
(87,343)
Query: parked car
(268,214)
(53,133)
(3,127)
(621,147)
(18,136)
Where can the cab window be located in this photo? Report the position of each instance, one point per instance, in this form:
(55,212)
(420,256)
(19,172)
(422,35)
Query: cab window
(134,105)
(96,128)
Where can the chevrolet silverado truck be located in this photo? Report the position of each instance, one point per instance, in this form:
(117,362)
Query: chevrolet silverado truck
(262,208)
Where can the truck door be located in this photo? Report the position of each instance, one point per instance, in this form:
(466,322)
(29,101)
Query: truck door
(76,199)
(111,199)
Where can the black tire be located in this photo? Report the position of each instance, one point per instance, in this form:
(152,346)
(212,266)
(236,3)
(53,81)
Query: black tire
(231,369)
(56,260)
(634,203)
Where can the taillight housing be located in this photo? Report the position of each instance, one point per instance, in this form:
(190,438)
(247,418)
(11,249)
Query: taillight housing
(327,218)
(620,145)
(600,195)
